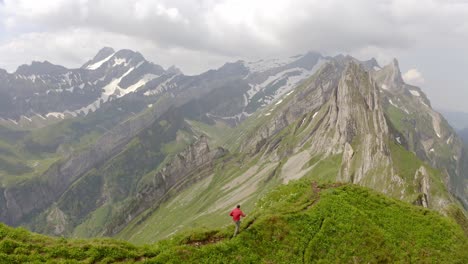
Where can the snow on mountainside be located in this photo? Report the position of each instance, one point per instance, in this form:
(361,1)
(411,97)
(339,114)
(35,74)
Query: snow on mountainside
(269,80)
(98,64)
(40,93)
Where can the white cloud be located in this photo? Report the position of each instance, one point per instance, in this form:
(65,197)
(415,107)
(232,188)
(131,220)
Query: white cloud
(414,77)
(248,28)
(73,48)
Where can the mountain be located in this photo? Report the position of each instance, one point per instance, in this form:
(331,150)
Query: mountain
(464,135)
(342,124)
(301,222)
(156,155)
(458,120)
(42,92)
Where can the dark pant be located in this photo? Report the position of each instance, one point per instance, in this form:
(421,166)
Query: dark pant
(236,231)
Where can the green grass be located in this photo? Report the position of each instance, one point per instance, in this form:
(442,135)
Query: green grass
(324,170)
(301,222)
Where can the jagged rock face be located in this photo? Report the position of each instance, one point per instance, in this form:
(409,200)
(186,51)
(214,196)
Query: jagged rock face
(341,111)
(177,173)
(421,179)
(390,77)
(353,116)
(309,99)
(421,129)
(336,126)
(360,121)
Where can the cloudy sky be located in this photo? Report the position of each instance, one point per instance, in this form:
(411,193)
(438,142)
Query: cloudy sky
(428,37)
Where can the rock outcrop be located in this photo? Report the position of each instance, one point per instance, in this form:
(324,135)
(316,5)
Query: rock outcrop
(185,168)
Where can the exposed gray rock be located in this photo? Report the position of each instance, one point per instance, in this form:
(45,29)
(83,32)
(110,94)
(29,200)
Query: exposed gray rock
(185,168)
(421,179)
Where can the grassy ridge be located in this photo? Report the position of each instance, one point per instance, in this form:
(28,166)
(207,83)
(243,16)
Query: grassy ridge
(296,223)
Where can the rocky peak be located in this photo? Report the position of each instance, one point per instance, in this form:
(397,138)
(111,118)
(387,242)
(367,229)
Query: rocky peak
(102,54)
(371,65)
(357,107)
(390,77)
(130,55)
(40,68)
(174,70)
(307,61)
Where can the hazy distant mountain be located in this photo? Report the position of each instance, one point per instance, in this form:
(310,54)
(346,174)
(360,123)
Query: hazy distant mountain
(458,120)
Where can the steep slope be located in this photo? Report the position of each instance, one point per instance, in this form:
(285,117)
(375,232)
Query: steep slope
(27,199)
(333,127)
(297,223)
(422,130)
(96,131)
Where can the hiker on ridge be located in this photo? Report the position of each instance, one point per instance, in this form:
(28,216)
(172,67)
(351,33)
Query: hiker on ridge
(236,216)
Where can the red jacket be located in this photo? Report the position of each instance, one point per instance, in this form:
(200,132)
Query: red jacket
(236,214)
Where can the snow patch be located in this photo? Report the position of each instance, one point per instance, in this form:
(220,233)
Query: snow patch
(314,115)
(164,86)
(303,120)
(150,105)
(291,81)
(14,121)
(119,61)
(431,150)
(56,115)
(99,63)
(392,103)
(279,102)
(376,68)
(398,139)
(112,88)
(449,140)
(384,86)
(40,116)
(70,113)
(415,93)
(264,65)
(132,88)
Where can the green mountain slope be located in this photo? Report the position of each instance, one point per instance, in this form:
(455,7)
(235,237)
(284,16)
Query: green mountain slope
(301,222)
(334,127)
(174,164)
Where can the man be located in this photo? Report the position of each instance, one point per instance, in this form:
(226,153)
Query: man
(236,216)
